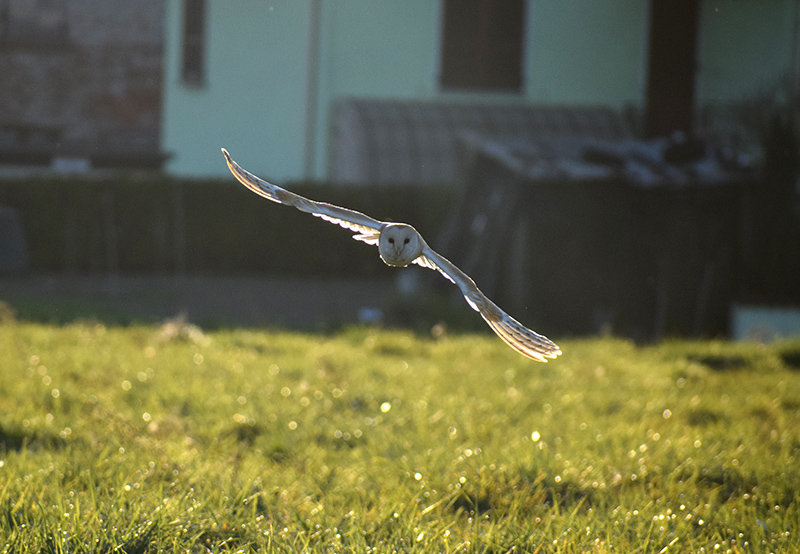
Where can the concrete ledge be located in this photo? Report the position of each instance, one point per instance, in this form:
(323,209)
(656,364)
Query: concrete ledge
(764,324)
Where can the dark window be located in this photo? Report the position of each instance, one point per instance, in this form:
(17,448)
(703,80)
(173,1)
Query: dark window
(672,64)
(194,23)
(482,44)
(34,23)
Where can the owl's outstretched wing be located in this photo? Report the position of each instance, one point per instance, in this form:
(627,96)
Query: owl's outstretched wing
(366,229)
(517,336)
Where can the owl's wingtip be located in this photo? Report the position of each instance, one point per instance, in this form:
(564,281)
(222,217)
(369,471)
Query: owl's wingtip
(553,354)
(544,356)
(228,159)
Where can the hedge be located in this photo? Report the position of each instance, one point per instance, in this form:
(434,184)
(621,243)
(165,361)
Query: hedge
(157,223)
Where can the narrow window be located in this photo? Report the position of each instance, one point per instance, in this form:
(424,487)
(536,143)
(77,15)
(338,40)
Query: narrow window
(672,67)
(194,15)
(482,43)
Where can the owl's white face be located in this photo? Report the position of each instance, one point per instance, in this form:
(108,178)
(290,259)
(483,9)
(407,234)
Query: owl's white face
(399,244)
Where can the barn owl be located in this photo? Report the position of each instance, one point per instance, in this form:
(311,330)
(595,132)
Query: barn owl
(400,245)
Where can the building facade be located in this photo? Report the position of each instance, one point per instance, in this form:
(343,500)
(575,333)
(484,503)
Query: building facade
(269,75)
(81,79)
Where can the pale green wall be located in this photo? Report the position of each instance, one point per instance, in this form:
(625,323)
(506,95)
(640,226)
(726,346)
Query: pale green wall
(374,49)
(746,47)
(380,48)
(253,102)
(587,52)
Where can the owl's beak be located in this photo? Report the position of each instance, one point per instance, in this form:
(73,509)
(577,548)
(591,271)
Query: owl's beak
(394,259)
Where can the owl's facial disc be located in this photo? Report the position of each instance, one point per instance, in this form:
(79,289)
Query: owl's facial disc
(399,244)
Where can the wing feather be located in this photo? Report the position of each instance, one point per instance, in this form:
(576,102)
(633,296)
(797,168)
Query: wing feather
(517,336)
(426,262)
(366,229)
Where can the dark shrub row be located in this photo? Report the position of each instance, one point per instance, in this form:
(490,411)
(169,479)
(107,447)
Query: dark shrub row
(162,224)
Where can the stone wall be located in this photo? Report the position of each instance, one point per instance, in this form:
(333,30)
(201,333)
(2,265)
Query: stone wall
(80,78)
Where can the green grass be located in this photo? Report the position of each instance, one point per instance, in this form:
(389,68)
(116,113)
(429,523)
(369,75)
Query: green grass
(167,439)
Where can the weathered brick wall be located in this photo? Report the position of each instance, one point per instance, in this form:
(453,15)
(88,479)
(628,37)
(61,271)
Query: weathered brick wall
(91,69)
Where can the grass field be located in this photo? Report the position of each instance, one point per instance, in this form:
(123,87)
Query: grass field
(170,439)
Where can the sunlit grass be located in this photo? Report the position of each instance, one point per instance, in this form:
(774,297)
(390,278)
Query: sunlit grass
(166,439)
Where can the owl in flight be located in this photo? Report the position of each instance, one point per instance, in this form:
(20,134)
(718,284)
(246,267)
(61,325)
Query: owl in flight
(400,245)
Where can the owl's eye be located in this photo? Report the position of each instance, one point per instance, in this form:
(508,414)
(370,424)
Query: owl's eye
(406,240)
(391,240)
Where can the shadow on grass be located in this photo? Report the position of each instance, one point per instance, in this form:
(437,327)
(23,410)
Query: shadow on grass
(791,358)
(18,440)
(719,362)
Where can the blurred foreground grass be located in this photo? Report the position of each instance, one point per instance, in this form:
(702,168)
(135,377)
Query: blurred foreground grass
(164,439)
